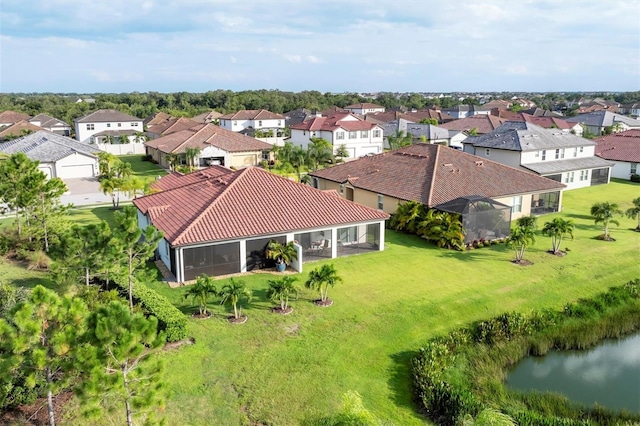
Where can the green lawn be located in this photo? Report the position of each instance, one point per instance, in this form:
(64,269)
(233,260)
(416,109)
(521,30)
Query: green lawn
(283,370)
(144,169)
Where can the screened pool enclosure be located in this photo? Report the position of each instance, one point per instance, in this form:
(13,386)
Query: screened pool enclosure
(482,218)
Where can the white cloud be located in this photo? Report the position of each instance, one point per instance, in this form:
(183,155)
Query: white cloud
(293,58)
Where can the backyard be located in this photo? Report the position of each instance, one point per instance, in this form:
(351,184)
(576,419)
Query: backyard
(294,369)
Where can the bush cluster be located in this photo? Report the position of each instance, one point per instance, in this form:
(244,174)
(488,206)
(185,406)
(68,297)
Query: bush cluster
(635,178)
(447,398)
(170,319)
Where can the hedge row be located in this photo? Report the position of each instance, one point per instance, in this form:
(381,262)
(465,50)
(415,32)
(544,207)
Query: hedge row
(170,319)
(447,401)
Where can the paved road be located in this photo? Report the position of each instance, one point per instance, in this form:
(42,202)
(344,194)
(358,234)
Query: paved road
(85,192)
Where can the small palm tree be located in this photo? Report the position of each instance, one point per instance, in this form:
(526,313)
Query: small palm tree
(604,213)
(634,212)
(321,278)
(281,290)
(232,292)
(191,154)
(519,240)
(201,291)
(557,229)
(282,253)
(399,139)
(530,222)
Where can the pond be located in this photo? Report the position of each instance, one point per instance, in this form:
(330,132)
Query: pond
(608,374)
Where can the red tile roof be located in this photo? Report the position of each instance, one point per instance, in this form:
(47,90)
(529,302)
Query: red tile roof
(334,122)
(156,118)
(413,116)
(172,125)
(252,114)
(13,117)
(364,105)
(482,123)
(216,205)
(623,146)
(434,174)
(204,135)
(16,129)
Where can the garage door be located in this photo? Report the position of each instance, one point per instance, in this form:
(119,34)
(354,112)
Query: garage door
(76,171)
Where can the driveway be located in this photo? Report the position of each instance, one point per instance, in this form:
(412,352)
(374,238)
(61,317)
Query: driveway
(86,192)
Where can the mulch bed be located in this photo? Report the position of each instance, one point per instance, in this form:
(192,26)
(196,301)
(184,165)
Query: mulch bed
(557,253)
(234,320)
(197,315)
(323,303)
(36,414)
(523,262)
(278,310)
(176,345)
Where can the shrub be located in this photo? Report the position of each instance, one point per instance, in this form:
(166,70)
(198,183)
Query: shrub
(147,158)
(170,319)
(635,177)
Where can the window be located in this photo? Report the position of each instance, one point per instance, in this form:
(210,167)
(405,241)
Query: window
(90,127)
(544,154)
(584,175)
(279,123)
(569,177)
(559,153)
(259,123)
(581,149)
(516,204)
(487,152)
(265,155)
(364,134)
(134,124)
(235,123)
(380,202)
(634,168)
(119,124)
(537,154)
(108,124)
(353,135)
(342,188)
(339,135)
(575,152)
(376,133)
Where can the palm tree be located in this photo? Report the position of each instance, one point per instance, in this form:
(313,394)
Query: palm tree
(232,292)
(604,213)
(122,169)
(530,222)
(282,253)
(123,139)
(191,154)
(444,229)
(105,161)
(634,212)
(519,240)
(298,158)
(399,139)
(171,160)
(406,217)
(342,152)
(201,291)
(557,229)
(320,152)
(321,278)
(111,186)
(140,137)
(281,290)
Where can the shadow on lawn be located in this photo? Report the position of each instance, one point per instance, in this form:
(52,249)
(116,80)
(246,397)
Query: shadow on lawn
(401,381)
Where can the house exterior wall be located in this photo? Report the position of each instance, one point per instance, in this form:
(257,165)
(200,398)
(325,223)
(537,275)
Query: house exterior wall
(510,158)
(239,125)
(85,130)
(623,169)
(245,159)
(371,143)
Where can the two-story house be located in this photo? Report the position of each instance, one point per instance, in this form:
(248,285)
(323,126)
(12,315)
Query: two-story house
(623,150)
(599,122)
(551,153)
(364,108)
(254,119)
(359,137)
(51,124)
(104,123)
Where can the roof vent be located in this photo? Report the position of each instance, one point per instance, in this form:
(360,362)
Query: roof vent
(448,164)
(479,163)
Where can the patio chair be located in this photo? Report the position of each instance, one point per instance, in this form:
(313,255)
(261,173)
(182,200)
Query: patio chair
(326,246)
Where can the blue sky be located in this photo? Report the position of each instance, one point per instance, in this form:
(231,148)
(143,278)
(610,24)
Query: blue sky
(91,46)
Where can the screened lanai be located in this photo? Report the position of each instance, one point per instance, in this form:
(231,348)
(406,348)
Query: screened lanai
(482,217)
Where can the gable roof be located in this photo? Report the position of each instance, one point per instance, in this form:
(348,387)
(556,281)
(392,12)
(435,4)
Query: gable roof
(603,119)
(364,105)
(156,118)
(13,117)
(334,122)
(204,135)
(525,136)
(252,114)
(482,123)
(220,204)
(434,174)
(623,146)
(47,147)
(16,129)
(207,117)
(413,116)
(106,116)
(47,121)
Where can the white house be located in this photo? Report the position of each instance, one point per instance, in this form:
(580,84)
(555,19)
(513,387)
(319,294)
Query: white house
(551,153)
(51,124)
(623,150)
(107,122)
(359,137)
(364,108)
(255,119)
(59,156)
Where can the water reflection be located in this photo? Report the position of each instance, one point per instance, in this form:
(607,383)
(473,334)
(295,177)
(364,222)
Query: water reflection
(608,374)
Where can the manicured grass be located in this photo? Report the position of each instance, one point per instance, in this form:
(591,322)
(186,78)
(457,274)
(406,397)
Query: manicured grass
(144,169)
(285,370)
